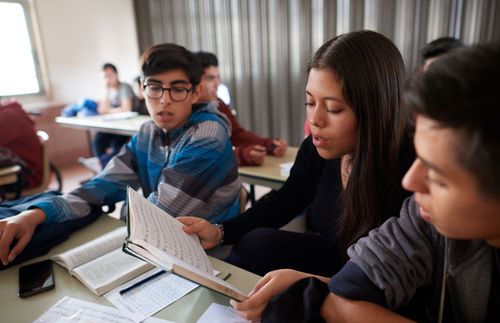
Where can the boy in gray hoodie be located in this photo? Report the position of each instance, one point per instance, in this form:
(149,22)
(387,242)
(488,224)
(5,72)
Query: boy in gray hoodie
(443,253)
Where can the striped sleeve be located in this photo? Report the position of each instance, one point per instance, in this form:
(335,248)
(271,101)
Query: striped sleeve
(106,188)
(201,178)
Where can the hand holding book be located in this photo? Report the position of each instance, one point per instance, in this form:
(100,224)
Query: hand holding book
(210,236)
(158,238)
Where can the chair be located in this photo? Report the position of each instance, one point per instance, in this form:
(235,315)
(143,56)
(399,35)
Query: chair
(243,199)
(47,169)
(10,175)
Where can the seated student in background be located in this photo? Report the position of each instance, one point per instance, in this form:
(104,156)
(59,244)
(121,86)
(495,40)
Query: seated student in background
(19,143)
(436,48)
(118,98)
(442,255)
(249,148)
(182,159)
(139,105)
(348,171)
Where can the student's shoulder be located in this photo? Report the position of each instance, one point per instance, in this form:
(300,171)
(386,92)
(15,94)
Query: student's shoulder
(410,220)
(147,126)
(207,123)
(126,89)
(146,131)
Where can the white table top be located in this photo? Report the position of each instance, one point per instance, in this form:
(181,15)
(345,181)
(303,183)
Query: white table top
(187,309)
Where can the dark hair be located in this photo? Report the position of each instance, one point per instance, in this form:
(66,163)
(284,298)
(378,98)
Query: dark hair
(440,46)
(462,92)
(111,66)
(371,72)
(164,57)
(207,59)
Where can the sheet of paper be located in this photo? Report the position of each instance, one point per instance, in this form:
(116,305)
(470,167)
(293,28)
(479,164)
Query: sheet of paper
(147,299)
(221,313)
(71,309)
(285,169)
(119,116)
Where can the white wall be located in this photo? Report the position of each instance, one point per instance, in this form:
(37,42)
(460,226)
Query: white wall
(78,36)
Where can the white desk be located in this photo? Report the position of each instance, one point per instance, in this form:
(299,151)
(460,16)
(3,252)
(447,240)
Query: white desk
(120,127)
(269,173)
(187,309)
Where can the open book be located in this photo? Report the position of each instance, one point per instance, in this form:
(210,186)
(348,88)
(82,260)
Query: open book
(100,264)
(158,238)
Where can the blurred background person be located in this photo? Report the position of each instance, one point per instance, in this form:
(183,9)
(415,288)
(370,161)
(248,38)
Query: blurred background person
(438,47)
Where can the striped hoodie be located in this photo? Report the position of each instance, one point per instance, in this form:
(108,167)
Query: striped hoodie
(187,171)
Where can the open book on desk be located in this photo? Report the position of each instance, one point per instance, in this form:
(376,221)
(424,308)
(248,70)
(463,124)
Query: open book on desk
(100,264)
(158,238)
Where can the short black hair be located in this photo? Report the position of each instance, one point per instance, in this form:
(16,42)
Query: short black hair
(207,59)
(164,57)
(461,92)
(440,46)
(111,66)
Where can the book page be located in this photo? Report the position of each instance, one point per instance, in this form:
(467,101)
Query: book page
(158,229)
(110,270)
(84,253)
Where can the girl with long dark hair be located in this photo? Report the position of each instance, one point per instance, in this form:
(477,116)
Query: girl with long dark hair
(347,172)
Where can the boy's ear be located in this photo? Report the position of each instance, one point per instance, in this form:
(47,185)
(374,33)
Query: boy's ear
(196,93)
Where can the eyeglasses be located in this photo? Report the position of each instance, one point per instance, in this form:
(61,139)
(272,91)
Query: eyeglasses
(176,94)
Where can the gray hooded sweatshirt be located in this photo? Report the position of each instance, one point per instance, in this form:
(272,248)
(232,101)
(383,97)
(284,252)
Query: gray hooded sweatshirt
(407,253)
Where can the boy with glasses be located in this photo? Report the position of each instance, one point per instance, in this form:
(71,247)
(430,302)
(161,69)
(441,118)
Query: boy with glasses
(182,159)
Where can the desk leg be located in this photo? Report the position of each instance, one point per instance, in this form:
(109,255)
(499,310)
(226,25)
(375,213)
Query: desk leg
(89,142)
(252,194)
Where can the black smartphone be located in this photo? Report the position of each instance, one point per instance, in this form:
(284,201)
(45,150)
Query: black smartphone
(35,278)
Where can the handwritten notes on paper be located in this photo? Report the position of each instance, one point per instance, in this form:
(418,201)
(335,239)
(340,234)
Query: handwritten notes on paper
(71,309)
(147,299)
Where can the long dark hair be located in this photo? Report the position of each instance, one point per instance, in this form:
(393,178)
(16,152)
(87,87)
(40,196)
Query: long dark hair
(372,73)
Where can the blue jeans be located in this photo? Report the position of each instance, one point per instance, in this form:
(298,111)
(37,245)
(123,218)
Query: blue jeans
(105,141)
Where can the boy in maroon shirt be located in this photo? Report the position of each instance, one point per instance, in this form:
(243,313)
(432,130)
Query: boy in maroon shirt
(249,148)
